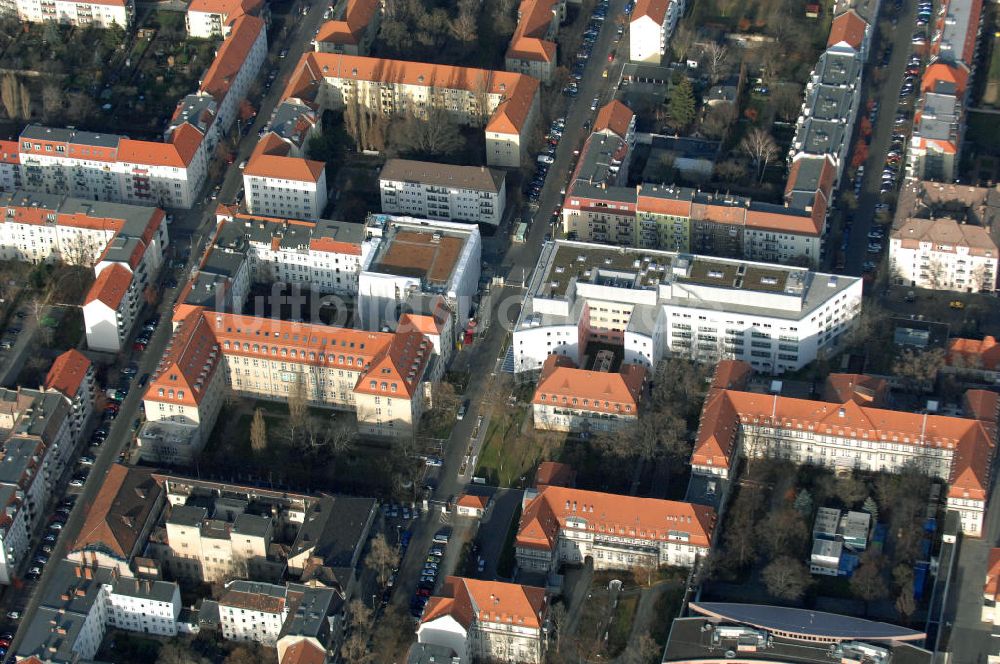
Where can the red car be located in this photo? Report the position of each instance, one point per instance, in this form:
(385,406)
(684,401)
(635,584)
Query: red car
(112,407)
(139,345)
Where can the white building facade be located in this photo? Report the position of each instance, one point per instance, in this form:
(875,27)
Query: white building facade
(653,302)
(444,192)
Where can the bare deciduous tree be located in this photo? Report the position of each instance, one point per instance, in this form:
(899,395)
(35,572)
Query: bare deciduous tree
(760,147)
(258,432)
(786,577)
(382,558)
(717,56)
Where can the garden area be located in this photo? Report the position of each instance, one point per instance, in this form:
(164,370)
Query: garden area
(767,539)
(760,53)
(209,647)
(102,80)
(298,448)
(470,33)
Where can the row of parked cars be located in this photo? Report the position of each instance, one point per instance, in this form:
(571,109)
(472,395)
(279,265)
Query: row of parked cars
(429,573)
(44,550)
(590,35)
(146,333)
(545,160)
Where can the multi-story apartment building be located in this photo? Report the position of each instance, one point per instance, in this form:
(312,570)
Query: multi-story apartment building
(650,27)
(354,33)
(40,431)
(506,103)
(279,183)
(125,245)
(206,19)
(379,375)
(262,612)
(118,522)
(561,525)
(936,141)
(943,254)
(103,14)
(587,400)
(80,602)
(72,375)
(323,256)
(938,125)
(598,207)
(650,303)
(849,435)
(486,621)
(833,95)
(10,166)
(974,359)
(109,167)
(214,531)
(474,194)
(532,49)
(944,237)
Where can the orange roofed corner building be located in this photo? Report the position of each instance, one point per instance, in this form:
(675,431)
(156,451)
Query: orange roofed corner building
(379,375)
(850,435)
(505,103)
(563,525)
(581,400)
(486,621)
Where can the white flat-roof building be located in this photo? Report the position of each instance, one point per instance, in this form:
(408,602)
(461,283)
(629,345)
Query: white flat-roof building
(652,303)
(415,258)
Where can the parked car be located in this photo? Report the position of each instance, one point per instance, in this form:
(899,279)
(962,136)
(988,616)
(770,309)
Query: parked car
(956,304)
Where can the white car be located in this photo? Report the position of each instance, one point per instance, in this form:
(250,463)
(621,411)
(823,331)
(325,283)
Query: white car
(594,104)
(546,159)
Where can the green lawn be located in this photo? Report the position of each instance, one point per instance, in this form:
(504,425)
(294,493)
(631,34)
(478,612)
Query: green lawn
(507,455)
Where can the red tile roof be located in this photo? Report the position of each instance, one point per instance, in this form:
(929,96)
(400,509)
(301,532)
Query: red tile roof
(849,28)
(10,152)
(304,652)
(640,518)
(468,600)
(555,474)
(971,440)
(859,388)
(654,9)
(178,153)
(357,18)
(67,373)
(531,48)
(114,521)
(614,117)
(473,502)
(110,286)
(231,9)
(231,55)
(939,72)
(395,362)
(520,92)
(595,391)
(270,160)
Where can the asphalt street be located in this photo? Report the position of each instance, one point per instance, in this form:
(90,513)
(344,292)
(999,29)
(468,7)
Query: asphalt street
(196,222)
(887,94)
(516,266)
